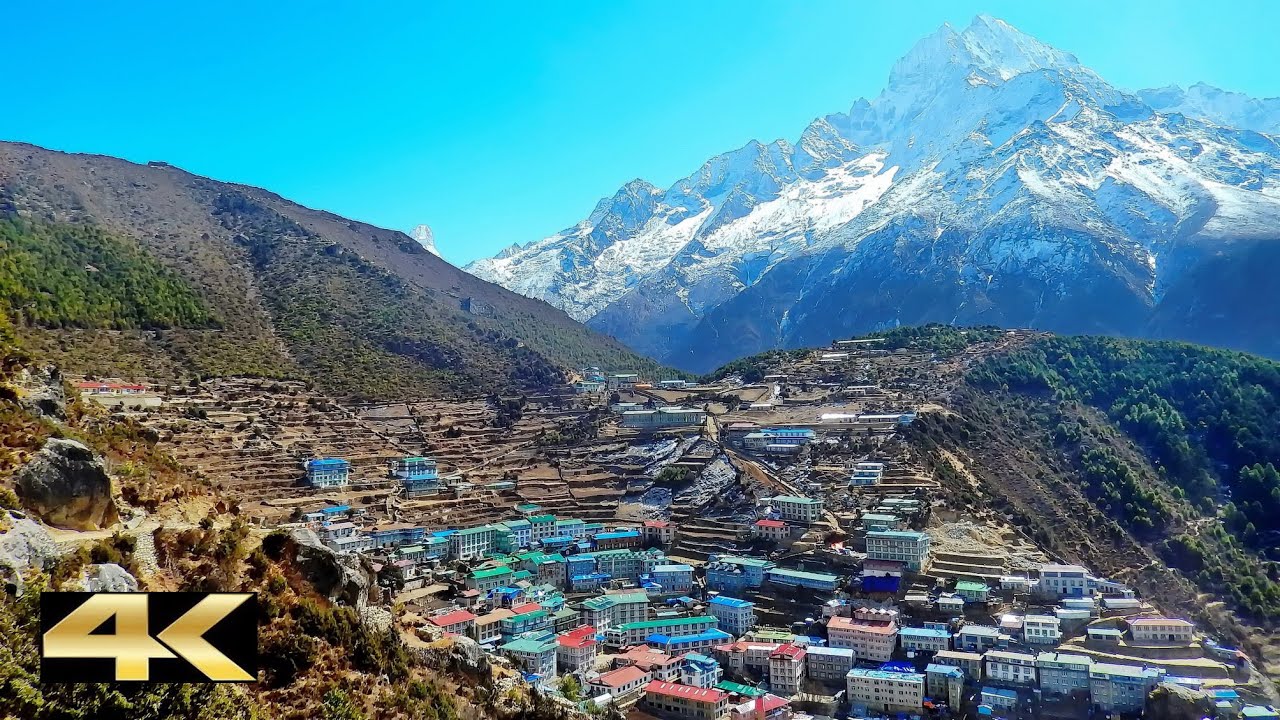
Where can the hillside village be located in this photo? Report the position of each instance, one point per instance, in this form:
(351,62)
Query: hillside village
(751,547)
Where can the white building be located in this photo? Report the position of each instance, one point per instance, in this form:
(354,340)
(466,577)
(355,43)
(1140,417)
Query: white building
(904,546)
(606,611)
(1041,629)
(472,543)
(1162,630)
(535,655)
(576,649)
(736,616)
(885,691)
(786,669)
(1058,581)
(621,684)
(345,537)
(798,509)
(773,530)
(926,639)
(622,381)
(1011,667)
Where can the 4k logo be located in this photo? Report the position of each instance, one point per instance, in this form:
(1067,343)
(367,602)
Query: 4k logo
(148,637)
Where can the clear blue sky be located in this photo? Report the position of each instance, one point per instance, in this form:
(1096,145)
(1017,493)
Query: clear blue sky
(505,122)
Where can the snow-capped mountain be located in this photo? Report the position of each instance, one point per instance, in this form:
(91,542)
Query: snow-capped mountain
(425,238)
(994,180)
(1220,106)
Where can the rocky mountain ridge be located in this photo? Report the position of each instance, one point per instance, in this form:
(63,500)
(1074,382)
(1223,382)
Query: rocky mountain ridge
(995,180)
(256,285)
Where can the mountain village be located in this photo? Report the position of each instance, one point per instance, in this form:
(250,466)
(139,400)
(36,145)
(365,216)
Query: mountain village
(751,548)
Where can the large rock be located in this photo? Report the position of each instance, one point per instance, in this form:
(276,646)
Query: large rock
(1174,702)
(466,656)
(24,545)
(107,577)
(44,393)
(68,486)
(342,577)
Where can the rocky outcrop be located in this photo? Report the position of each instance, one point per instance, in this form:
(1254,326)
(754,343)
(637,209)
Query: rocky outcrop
(67,486)
(24,545)
(342,578)
(107,577)
(1174,702)
(467,657)
(44,393)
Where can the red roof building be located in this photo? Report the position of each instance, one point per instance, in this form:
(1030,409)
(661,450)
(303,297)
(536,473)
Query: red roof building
(685,692)
(622,677)
(795,653)
(453,622)
(582,637)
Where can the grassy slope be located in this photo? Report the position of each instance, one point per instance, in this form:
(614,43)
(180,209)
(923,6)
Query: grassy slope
(297,292)
(1206,428)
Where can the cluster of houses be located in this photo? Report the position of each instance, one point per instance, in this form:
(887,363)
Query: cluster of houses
(562,596)
(594,381)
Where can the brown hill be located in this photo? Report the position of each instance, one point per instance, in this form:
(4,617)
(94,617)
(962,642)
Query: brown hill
(292,291)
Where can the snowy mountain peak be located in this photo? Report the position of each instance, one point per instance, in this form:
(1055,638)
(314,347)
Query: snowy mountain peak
(425,238)
(995,180)
(990,48)
(1002,50)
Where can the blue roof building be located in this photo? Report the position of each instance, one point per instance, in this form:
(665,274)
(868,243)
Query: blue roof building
(681,644)
(328,473)
(1002,698)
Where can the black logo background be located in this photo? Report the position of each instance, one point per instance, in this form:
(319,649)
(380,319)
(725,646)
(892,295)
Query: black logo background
(236,636)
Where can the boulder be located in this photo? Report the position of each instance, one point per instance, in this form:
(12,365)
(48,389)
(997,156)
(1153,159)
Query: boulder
(24,545)
(107,577)
(67,486)
(467,657)
(1174,702)
(44,394)
(343,578)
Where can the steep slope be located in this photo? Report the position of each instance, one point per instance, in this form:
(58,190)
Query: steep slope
(290,291)
(994,180)
(318,653)
(1149,461)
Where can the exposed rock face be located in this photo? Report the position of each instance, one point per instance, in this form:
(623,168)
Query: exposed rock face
(107,577)
(1174,702)
(25,544)
(45,395)
(342,578)
(68,486)
(466,656)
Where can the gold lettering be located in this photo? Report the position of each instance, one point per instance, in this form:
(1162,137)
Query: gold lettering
(185,636)
(131,645)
